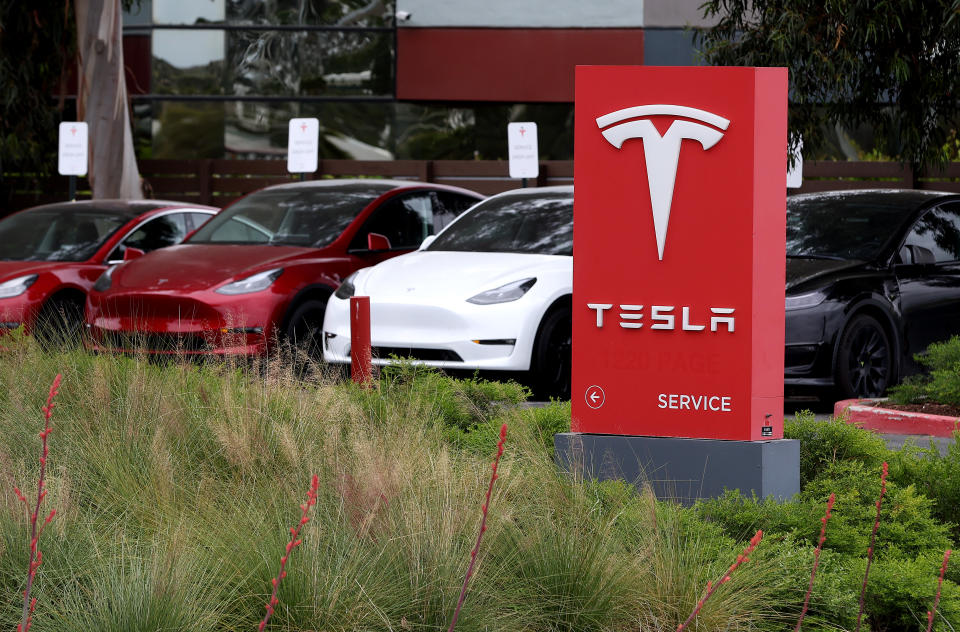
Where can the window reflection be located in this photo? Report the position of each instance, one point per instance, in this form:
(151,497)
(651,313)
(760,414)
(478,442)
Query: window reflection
(188,62)
(179,12)
(313,12)
(308,63)
(939,232)
(188,130)
(539,223)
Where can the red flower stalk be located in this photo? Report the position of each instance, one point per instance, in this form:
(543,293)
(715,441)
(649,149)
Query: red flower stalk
(483,527)
(294,542)
(36,556)
(711,587)
(816,559)
(873,541)
(936,600)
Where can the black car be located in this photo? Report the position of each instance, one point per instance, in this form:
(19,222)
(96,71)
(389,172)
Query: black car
(873,277)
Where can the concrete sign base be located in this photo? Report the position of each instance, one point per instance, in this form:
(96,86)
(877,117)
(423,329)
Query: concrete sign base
(684,469)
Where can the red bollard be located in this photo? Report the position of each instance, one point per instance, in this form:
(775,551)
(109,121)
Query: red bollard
(361,365)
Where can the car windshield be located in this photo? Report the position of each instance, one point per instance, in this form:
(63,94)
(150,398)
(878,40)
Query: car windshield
(841,227)
(541,224)
(286,217)
(56,234)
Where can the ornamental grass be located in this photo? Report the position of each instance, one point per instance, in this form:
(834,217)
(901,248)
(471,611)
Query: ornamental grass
(174,484)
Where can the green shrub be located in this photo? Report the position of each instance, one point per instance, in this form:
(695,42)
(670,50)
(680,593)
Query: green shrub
(901,591)
(907,528)
(823,443)
(941,383)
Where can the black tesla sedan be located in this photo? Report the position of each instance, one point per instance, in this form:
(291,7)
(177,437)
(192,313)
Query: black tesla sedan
(873,277)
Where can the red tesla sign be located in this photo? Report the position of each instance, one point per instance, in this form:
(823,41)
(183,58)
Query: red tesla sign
(679,228)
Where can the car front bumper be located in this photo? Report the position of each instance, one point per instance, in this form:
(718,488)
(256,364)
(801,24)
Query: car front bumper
(485,337)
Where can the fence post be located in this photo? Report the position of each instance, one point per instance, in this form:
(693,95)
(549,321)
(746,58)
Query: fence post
(425,172)
(205,178)
(361,365)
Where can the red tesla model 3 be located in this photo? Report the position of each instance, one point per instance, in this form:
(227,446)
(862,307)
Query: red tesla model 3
(51,255)
(262,269)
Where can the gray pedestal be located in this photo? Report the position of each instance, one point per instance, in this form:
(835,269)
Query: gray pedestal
(684,469)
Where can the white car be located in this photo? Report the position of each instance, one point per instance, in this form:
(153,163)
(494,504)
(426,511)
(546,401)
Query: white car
(491,292)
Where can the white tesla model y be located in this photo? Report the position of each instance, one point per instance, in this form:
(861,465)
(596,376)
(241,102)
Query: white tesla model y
(491,292)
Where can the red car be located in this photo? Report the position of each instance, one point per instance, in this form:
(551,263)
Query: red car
(51,255)
(262,270)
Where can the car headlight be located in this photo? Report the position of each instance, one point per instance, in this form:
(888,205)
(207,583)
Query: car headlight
(504,293)
(17,286)
(253,283)
(346,289)
(800,301)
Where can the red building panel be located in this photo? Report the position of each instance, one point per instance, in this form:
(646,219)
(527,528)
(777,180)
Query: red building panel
(513,65)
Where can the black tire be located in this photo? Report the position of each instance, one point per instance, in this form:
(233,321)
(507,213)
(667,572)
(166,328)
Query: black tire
(551,359)
(304,331)
(864,359)
(59,323)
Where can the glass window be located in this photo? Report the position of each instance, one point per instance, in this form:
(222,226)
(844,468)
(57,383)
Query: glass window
(308,63)
(196,220)
(534,224)
(180,12)
(297,216)
(939,232)
(404,220)
(55,235)
(159,232)
(321,12)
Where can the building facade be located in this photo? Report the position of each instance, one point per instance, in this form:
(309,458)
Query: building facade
(388,79)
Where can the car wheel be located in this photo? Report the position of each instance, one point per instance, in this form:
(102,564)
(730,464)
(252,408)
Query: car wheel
(551,355)
(864,359)
(59,323)
(305,331)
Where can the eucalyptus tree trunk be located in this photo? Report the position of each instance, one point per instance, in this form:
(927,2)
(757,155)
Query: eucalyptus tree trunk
(102,100)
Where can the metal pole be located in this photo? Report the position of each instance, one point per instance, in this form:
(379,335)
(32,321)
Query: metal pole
(73,188)
(524,181)
(361,365)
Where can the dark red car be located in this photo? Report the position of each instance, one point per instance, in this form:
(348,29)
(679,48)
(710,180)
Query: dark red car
(262,270)
(51,255)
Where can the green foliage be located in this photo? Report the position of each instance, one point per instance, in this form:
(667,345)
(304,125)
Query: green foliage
(908,526)
(900,592)
(35,48)
(892,64)
(823,443)
(175,486)
(941,383)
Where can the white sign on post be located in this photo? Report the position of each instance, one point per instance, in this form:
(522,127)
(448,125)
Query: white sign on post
(303,145)
(72,152)
(523,152)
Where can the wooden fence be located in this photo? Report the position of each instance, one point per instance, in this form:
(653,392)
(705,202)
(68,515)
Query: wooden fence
(219,182)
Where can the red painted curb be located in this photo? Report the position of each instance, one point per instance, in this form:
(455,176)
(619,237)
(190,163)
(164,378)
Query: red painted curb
(887,420)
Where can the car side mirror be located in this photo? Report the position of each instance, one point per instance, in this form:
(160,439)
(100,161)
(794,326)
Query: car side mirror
(426,242)
(130,253)
(376,241)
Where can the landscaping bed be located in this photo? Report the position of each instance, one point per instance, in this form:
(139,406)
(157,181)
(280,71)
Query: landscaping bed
(175,487)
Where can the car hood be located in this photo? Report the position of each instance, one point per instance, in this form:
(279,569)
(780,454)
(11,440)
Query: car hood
(440,275)
(12,269)
(801,270)
(195,267)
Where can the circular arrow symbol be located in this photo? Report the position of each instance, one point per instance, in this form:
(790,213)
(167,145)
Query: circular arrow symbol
(594,396)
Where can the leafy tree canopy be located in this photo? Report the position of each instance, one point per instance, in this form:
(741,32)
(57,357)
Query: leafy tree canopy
(36,43)
(891,64)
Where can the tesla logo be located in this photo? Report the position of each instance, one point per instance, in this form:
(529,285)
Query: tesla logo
(662,153)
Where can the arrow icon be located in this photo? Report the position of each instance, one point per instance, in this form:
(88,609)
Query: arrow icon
(595,396)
